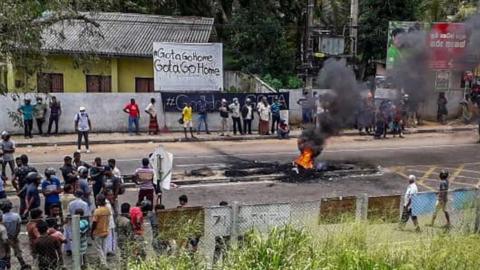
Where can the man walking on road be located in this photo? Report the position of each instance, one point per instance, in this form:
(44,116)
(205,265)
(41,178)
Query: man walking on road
(82,126)
(133,116)
(27,112)
(55,112)
(442,199)
(39,112)
(235,110)
(407,205)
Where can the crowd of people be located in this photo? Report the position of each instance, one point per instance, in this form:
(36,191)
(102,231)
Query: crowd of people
(89,190)
(270,121)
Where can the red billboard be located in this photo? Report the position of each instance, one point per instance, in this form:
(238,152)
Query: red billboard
(447,42)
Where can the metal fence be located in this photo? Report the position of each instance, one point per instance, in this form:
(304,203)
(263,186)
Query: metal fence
(223,225)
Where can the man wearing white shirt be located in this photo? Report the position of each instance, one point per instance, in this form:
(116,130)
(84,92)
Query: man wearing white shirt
(407,205)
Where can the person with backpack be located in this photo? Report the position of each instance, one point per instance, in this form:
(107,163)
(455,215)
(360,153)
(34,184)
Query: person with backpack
(82,126)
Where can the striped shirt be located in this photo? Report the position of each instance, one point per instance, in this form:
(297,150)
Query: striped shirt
(145,177)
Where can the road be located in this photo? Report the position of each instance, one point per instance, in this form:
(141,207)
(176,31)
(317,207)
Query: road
(420,154)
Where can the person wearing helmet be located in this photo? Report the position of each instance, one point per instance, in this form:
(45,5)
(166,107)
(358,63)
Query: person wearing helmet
(51,189)
(20,182)
(412,189)
(248,116)
(442,198)
(32,198)
(13,224)
(8,149)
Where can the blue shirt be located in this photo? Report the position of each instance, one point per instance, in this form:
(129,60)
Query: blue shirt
(79,204)
(275,108)
(85,188)
(32,192)
(12,222)
(51,185)
(27,111)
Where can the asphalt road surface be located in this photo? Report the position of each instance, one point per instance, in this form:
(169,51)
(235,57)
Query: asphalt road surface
(422,155)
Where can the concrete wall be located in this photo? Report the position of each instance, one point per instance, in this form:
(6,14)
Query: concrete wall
(105,110)
(242,82)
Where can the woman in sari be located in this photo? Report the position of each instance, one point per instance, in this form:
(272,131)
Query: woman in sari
(263,109)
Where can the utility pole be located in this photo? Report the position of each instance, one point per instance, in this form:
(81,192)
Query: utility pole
(308,50)
(353,29)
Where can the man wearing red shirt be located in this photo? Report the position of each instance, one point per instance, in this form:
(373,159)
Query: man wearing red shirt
(133,116)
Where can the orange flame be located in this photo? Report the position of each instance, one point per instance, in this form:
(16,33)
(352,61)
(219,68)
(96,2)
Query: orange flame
(305,160)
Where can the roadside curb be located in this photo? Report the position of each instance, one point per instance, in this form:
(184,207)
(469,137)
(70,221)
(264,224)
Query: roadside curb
(226,138)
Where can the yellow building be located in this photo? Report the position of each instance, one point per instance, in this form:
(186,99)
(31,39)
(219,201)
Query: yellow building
(115,57)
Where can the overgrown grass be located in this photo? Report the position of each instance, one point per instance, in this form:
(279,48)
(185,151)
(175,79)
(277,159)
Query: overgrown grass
(347,247)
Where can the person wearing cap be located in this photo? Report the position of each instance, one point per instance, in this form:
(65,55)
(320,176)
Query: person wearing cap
(27,112)
(82,126)
(412,189)
(248,116)
(224,116)
(8,149)
(133,116)
(39,112)
(55,112)
(234,108)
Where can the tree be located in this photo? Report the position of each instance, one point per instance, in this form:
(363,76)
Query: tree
(22,24)
(258,41)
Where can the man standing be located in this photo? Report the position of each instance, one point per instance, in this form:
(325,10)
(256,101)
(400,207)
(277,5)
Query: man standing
(442,198)
(263,109)
(68,170)
(51,189)
(133,116)
(96,174)
(27,112)
(152,112)
(407,204)
(187,119)
(83,187)
(202,116)
(224,116)
(32,197)
(144,178)
(13,224)
(55,112)
(247,115)
(48,249)
(8,149)
(275,109)
(82,126)
(100,227)
(39,112)
(111,188)
(442,111)
(4,247)
(235,109)
(20,181)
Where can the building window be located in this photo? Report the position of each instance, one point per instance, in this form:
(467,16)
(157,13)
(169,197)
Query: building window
(99,84)
(143,85)
(50,82)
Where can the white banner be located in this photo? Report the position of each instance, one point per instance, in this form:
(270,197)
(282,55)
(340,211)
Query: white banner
(188,66)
